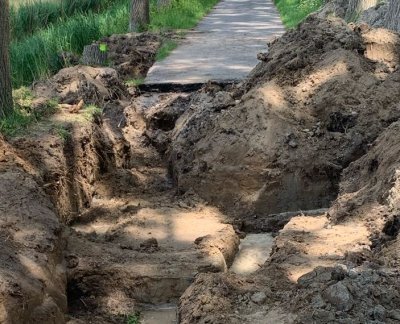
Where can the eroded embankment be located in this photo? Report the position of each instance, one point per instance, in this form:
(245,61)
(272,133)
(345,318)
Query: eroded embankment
(32,277)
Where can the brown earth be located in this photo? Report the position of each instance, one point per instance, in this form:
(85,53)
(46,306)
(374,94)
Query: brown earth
(279,143)
(130,240)
(104,214)
(318,118)
(32,275)
(132,55)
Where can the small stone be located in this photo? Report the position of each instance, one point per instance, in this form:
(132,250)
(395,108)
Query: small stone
(72,261)
(128,208)
(323,316)
(125,246)
(207,308)
(339,296)
(379,313)
(259,298)
(317,301)
(353,274)
(149,245)
(394,314)
(292,143)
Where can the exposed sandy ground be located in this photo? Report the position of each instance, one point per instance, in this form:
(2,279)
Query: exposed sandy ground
(145,203)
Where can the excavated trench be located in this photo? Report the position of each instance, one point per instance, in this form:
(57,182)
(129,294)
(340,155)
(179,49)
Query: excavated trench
(196,199)
(137,236)
(136,246)
(140,245)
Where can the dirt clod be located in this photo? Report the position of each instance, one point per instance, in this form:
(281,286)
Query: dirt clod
(150,245)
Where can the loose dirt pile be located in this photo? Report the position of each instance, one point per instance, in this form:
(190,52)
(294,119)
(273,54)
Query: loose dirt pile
(48,179)
(376,13)
(92,85)
(279,143)
(318,118)
(130,241)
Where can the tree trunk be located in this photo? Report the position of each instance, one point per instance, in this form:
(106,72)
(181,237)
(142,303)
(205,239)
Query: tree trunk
(6,103)
(355,7)
(140,15)
(92,55)
(392,19)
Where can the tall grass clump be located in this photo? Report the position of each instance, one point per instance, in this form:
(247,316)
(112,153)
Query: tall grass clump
(39,55)
(34,15)
(294,11)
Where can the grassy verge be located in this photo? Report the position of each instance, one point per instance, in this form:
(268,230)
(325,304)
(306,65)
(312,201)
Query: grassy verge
(38,56)
(181,14)
(25,113)
(133,319)
(38,14)
(294,11)
(134,82)
(166,48)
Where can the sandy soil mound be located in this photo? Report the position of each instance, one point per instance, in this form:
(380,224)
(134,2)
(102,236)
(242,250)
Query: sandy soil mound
(318,118)
(90,84)
(229,298)
(317,273)
(314,104)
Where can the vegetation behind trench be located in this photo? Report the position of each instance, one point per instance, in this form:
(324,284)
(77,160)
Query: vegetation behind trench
(39,55)
(295,11)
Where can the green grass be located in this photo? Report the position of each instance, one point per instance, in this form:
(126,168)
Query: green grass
(133,318)
(18,3)
(181,14)
(38,56)
(90,111)
(63,132)
(294,11)
(134,82)
(167,47)
(24,114)
(31,16)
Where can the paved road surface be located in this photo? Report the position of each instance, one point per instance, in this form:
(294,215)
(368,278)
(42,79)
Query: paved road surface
(223,46)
